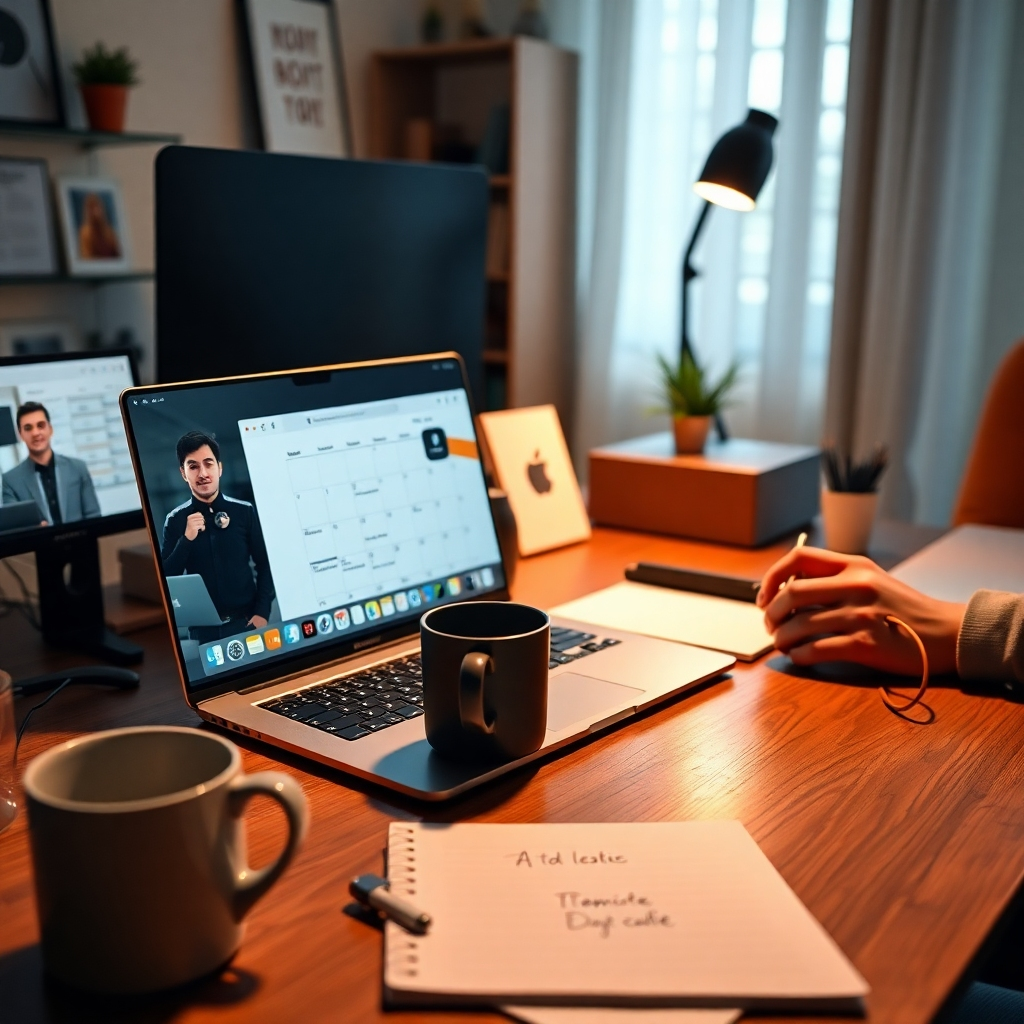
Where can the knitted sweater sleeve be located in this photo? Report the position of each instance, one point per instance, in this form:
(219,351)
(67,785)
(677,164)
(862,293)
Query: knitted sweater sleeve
(991,640)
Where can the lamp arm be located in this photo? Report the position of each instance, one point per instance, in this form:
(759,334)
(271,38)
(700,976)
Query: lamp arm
(689,273)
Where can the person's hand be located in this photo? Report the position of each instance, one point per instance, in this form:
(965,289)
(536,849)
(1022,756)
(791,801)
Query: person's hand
(835,610)
(257,621)
(194,524)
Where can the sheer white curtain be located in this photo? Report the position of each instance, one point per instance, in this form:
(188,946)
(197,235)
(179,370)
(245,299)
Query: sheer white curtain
(921,243)
(662,79)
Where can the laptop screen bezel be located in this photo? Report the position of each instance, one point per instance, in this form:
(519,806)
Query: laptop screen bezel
(273,670)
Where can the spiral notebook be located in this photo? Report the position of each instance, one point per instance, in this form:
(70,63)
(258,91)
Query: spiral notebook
(644,914)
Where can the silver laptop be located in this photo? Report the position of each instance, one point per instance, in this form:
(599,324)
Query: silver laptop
(351,499)
(191,602)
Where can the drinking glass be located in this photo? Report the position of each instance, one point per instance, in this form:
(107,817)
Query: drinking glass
(8,803)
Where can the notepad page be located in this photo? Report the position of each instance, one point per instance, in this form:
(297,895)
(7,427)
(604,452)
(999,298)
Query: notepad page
(736,627)
(670,912)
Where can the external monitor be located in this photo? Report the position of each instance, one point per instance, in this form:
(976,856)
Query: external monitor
(266,261)
(66,478)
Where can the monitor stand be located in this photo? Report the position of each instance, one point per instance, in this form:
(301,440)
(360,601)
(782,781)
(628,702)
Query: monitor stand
(71,600)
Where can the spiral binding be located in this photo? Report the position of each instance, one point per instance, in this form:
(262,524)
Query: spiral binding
(402,949)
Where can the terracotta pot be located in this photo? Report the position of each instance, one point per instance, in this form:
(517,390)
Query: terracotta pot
(105,106)
(691,433)
(847,518)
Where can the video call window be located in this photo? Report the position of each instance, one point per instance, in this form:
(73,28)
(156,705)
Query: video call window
(67,451)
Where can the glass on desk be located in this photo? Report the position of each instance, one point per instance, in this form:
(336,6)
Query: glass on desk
(8,803)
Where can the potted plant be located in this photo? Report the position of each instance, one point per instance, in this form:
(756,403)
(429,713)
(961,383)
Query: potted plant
(849,499)
(104,77)
(692,400)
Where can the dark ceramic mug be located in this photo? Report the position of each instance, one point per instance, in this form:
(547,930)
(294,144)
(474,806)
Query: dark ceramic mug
(485,679)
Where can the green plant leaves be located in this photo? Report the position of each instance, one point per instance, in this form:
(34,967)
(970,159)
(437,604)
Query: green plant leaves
(100,66)
(687,391)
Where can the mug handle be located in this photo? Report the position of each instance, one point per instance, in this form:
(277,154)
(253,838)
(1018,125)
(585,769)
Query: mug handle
(475,667)
(250,885)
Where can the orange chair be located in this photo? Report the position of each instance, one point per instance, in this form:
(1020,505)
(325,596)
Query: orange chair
(992,490)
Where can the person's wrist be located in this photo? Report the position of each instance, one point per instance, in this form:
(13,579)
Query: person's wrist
(942,649)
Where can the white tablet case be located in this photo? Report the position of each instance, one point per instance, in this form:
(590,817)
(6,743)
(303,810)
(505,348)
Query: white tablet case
(532,464)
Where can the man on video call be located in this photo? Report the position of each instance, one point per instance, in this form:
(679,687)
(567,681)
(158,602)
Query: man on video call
(215,537)
(59,485)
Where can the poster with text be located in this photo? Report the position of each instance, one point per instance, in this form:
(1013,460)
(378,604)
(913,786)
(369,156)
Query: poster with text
(298,78)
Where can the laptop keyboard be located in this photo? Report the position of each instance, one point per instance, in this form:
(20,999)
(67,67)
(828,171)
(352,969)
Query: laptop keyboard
(353,706)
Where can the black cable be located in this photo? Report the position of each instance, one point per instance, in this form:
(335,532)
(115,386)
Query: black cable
(46,700)
(26,597)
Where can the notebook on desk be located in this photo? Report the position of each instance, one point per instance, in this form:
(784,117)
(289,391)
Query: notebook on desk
(629,914)
(717,623)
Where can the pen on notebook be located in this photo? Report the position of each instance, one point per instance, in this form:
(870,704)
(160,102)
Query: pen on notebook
(372,891)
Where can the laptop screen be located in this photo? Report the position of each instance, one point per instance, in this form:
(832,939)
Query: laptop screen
(312,510)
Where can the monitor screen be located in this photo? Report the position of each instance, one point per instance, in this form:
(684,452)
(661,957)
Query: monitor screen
(270,261)
(293,512)
(63,451)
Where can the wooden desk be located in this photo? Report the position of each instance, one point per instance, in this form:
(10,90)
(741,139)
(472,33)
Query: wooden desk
(906,842)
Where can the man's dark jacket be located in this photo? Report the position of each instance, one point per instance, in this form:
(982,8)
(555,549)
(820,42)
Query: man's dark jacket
(221,556)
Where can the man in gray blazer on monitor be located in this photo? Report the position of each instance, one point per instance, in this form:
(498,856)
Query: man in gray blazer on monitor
(59,485)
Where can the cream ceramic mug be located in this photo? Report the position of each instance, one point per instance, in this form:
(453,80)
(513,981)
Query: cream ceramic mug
(140,858)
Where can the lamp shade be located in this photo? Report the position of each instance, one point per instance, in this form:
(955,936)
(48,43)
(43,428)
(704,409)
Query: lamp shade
(739,163)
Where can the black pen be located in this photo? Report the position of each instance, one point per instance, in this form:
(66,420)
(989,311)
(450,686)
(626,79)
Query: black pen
(373,891)
(734,587)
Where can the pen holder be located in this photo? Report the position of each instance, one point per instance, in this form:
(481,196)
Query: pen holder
(847,518)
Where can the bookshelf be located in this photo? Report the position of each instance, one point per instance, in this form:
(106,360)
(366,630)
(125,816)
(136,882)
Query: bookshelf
(448,91)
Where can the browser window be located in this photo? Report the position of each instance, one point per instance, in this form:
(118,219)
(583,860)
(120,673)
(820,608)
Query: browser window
(368,501)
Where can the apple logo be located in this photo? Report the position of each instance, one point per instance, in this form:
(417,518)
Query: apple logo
(538,478)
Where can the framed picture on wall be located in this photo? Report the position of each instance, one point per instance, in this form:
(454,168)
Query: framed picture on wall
(27,241)
(29,84)
(95,228)
(300,83)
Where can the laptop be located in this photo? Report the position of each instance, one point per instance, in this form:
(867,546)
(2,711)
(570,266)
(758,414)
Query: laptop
(191,602)
(968,558)
(350,499)
(19,515)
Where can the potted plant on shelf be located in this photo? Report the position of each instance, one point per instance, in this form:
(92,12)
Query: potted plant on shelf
(104,77)
(849,499)
(692,400)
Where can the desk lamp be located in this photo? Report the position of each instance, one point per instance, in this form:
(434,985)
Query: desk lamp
(733,175)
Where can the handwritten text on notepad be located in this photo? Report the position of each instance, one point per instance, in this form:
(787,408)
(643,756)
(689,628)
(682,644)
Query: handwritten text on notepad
(523,858)
(584,912)
(631,915)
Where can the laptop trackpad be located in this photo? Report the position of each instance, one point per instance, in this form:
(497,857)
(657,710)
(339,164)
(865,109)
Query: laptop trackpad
(573,698)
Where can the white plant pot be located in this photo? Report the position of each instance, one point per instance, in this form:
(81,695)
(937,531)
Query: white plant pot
(847,518)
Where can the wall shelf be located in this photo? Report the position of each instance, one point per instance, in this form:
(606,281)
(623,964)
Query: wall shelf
(85,137)
(96,279)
